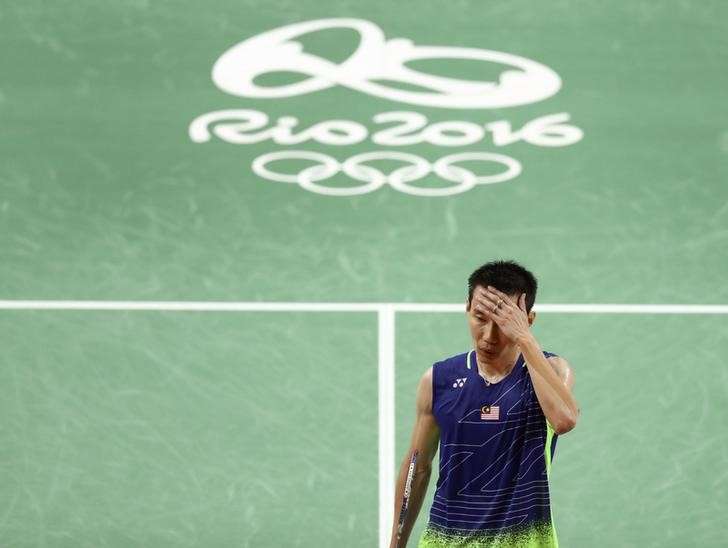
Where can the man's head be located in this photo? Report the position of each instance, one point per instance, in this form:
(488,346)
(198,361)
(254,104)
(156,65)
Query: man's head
(512,279)
(507,276)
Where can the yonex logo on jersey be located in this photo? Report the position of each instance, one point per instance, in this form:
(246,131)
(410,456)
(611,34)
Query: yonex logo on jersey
(459,383)
(490,413)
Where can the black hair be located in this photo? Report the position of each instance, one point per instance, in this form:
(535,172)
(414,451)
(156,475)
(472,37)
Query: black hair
(506,276)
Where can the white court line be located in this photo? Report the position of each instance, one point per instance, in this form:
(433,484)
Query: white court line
(387,456)
(386,331)
(223,306)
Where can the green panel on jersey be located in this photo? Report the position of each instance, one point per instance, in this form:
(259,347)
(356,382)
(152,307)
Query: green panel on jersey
(534,536)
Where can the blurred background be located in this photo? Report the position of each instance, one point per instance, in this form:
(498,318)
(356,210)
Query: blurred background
(176,151)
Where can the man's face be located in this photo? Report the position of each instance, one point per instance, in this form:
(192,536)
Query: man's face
(487,337)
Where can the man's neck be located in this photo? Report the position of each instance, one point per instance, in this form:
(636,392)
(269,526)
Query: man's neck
(500,367)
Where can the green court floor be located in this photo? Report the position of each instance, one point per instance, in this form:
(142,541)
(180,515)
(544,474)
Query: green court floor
(121,181)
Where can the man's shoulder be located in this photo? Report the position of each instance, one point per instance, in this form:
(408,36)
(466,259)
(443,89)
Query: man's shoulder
(455,365)
(456,362)
(562,368)
(460,358)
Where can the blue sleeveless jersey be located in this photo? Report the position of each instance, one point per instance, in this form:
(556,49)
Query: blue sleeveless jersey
(495,458)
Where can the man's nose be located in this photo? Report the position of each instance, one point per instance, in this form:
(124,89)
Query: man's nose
(490,332)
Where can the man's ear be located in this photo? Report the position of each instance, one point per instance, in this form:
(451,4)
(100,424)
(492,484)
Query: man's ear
(467,303)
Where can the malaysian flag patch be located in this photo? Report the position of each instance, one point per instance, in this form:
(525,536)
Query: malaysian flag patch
(489,413)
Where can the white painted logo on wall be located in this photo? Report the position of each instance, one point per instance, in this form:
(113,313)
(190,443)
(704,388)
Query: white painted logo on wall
(522,82)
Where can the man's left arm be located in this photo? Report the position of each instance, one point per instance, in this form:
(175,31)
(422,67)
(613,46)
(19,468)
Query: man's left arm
(553,380)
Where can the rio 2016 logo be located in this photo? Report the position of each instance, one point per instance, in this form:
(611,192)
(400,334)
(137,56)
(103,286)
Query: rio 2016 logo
(375,60)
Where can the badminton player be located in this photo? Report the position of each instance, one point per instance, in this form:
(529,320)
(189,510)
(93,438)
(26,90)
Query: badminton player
(495,412)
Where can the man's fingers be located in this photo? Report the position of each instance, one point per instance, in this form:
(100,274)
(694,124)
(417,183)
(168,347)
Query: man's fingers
(498,292)
(485,311)
(490,305)
(483,302)
(489,297)
(496,297)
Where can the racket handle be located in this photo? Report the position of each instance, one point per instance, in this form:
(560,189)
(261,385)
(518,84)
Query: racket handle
(406,495)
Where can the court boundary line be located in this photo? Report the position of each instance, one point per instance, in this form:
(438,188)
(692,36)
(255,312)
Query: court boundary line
(386,320)
(269,306)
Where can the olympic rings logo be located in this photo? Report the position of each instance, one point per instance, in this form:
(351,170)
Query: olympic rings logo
(326,167)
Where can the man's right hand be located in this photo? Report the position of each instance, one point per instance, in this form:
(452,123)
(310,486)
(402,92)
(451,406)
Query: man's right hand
(425,438)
